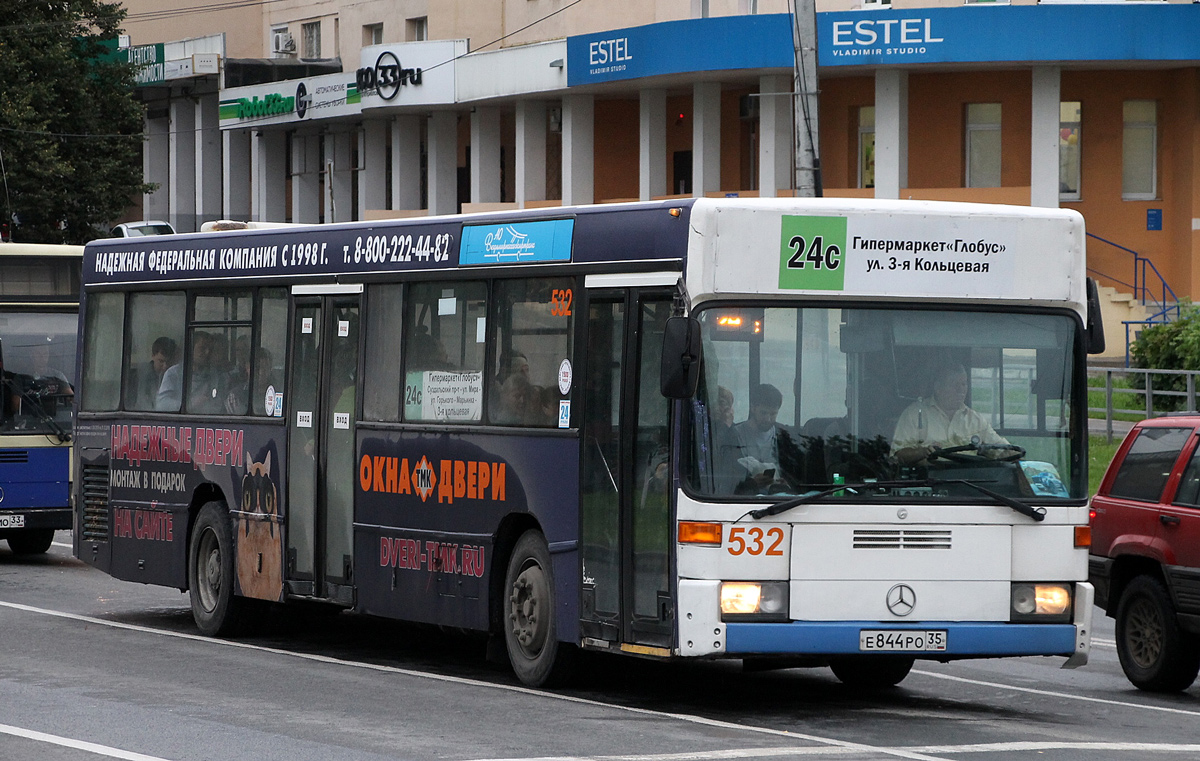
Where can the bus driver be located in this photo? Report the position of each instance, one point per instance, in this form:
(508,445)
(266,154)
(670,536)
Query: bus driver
(941,422)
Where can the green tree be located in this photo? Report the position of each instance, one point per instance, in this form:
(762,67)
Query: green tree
(70,129)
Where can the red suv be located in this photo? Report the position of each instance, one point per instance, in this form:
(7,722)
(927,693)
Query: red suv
(1145,562)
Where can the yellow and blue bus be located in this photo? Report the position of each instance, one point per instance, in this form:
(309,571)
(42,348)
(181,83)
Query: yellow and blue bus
(669,429)
(39,306)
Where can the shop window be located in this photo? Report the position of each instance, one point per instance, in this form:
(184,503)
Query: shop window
(983,145)
(1139,155)
(310,40)
(866,146)
(1069,156)
(417,29)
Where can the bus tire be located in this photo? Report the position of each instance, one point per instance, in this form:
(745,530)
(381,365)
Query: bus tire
(871,672)
(530,630)
(1155,654)
(217,610)
(33,541)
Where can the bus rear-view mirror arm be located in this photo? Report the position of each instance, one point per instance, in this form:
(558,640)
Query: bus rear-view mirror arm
(1095,326)
(680,358)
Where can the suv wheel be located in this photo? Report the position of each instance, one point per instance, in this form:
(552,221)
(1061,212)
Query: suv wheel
(1154,653)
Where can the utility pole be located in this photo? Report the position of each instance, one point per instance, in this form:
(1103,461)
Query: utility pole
(805,100)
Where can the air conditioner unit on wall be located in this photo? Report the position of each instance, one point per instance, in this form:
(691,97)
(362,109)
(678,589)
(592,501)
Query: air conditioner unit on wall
(282,42)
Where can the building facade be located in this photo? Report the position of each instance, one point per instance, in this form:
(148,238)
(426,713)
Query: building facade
(337,111)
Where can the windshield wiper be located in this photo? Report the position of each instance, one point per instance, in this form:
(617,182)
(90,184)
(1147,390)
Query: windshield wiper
(1036,513)
(35,401)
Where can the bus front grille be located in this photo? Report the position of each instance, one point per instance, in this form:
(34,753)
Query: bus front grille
(901,539)
(95,503)
(13,456)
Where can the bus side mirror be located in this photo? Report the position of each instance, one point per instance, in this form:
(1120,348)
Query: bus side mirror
(1095,325)
(680,358)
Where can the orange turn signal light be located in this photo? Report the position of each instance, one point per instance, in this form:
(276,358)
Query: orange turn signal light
(691,532)
(1083,536)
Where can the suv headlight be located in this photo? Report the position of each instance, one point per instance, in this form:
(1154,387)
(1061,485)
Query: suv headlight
(1043,602)
(754,601)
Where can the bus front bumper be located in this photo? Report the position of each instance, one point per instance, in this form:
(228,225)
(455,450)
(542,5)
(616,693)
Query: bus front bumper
(962,639)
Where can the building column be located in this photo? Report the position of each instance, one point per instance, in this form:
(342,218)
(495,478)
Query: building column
(306,178)
(775,146)
(652,153)
(891,132)
(181,202)
(706,138)
(208,160)
(442,162)
(406,162)
(268,151)
(531,151)
(578,150)
(485,155)
(156,168)
(1043,154)
(235,174)
(372,178)
(339,178)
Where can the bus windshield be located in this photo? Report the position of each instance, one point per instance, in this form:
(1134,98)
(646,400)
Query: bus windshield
(38,353)
(794,400)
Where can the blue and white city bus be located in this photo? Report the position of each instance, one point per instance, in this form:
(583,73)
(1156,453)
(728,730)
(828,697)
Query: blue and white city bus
(664,429)
(39,306)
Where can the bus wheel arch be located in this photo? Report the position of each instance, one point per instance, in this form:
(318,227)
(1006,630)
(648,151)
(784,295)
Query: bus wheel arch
(211,573)
(529,614)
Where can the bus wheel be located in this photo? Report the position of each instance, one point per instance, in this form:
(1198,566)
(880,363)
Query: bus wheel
(1155,655)
(872,672)
(32,541)
(530,633)
(218,612)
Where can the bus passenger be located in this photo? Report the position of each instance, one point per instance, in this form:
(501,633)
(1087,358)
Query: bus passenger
(149,376)
(941,422)
(761,444)
(207,380)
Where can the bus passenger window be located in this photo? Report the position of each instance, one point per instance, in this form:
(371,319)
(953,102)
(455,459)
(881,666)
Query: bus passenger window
(101,365)
(531,377)
(444,334)
(267,395)
(154,351)
(218,378)
(381,386)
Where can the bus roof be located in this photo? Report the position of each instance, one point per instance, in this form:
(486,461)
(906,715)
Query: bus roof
(40,249)
(654,233)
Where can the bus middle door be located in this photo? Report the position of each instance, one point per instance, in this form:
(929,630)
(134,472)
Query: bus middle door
(321,444)
(625,480)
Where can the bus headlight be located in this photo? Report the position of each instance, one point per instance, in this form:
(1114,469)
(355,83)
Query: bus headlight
(1041,602)
(754,601)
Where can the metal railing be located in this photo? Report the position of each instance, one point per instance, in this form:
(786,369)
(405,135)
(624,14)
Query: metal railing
(1151,401)
(1150,288)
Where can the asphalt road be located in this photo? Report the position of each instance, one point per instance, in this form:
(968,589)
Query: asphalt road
(94,668)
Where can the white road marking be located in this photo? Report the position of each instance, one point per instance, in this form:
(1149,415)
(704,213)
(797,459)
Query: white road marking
(67,742)
(1062,695)
(62,544)
(1015,747)
(1108,644)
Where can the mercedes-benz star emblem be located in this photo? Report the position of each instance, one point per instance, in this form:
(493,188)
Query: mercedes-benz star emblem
(901,599)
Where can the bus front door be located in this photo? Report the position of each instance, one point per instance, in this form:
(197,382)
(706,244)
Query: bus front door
(625,478)
(319,513)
